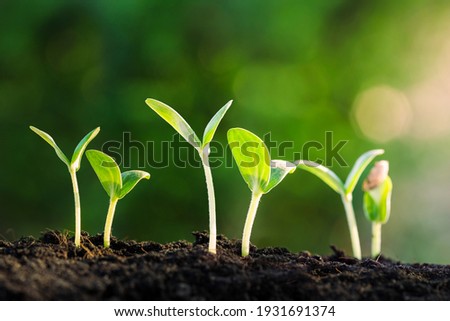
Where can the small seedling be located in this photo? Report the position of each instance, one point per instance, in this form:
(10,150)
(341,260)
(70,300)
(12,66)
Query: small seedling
(73,166)
(202,147)
(344,189)
(116,184)
(257,169)
(377,201)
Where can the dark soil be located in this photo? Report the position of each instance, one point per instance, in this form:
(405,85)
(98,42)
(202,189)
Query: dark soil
(50,268)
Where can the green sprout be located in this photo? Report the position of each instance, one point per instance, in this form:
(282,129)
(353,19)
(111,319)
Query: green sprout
(377,201)
(73,166)
(116,184)
(344,189)
(257,169)
(202,147)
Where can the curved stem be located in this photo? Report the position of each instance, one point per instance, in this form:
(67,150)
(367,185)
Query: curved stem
(211,204)
(376,239)
(353,228)
(76,196)
(109,220)
(256,197)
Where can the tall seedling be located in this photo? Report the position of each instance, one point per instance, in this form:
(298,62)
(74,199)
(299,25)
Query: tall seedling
(201,146)
(73,166)
(345,190)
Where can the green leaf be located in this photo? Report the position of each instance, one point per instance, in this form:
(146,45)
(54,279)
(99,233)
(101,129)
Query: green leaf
(361,163)
(81,147)
(210,129)
(252,158)
(370,207)
(52,143)
(278,171)
(377,202)
(385,207)
(175,120)
(107,172)
(325,174)
(130,179)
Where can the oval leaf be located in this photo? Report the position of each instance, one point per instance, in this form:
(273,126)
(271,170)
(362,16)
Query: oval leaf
(377,202)
(325,174)
(370,207)
(107,172)
(361,163)
(81,147)
(251,156)
(175,120)
(130,179)
(385,207)
(278,171)
(52,143)
(211,128)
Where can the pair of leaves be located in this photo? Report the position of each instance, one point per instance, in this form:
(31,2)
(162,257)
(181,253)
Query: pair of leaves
(252,157)
(74,163)
(332,180)
(182,127)
(116,184)
(377,202)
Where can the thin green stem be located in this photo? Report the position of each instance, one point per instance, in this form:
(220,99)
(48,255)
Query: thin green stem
(76,196)
(376,239)
(353,228)
(109,220)
(211,204)
(256,197)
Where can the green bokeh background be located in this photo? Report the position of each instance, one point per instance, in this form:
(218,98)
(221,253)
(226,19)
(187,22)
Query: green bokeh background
(293,68)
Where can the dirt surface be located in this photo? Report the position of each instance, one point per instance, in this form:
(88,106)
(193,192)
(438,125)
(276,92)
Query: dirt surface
(50,268)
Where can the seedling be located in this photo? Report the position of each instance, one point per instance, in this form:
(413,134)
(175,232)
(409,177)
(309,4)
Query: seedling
(73,166)
(377,201)
(202,147)
(257,169)
(344,189)
(116,184)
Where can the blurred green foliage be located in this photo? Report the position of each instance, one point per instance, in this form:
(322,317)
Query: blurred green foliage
(293,67)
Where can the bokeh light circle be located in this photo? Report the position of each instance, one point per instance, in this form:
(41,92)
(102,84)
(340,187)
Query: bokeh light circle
(382,113)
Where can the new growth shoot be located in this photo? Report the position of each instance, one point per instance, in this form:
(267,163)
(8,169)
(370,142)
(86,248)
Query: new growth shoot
(377,201)
(73,166)
(201,146)
(345,190)
(116,184)
(257,169)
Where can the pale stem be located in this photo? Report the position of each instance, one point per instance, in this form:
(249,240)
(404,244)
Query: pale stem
(76,196)
(249,223)
(353,228)
(211,204)
(376,239)
(109,220)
